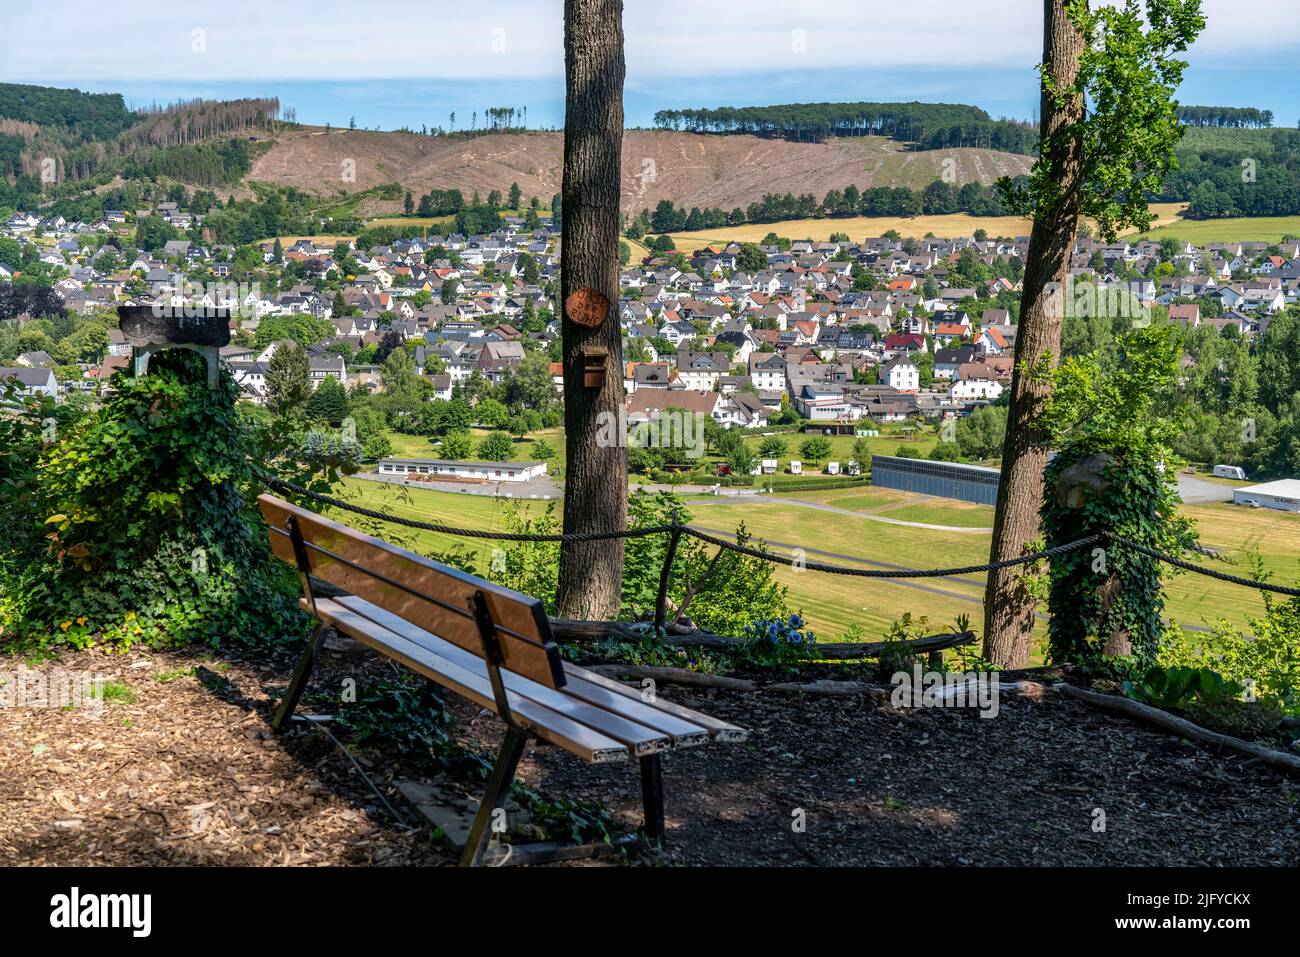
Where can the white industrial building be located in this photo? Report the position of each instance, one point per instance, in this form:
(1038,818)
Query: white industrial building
(1284,494)
(442,470)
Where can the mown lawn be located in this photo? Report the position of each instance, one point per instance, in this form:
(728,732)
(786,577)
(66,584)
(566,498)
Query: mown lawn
(887,443)
(833,604)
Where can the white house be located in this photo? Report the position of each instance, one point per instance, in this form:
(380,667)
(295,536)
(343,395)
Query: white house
(902,374)
(767,371)
(966,390)
(324,367)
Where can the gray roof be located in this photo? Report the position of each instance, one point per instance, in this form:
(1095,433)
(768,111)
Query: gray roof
(28,377)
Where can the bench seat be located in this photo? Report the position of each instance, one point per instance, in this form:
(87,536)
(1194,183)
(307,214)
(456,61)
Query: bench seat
(592,717)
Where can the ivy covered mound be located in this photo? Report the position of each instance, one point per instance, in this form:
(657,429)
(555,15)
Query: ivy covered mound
(148,533)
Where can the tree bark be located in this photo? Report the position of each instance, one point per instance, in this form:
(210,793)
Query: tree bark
(1008,610)
(595,494)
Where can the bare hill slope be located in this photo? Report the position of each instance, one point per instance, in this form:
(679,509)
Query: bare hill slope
(690,169)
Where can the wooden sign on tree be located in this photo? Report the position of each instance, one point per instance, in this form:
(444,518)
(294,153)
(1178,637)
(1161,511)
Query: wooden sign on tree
(587,307)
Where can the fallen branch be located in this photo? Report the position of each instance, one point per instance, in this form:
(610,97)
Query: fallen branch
(872,649)
(1180,726)
(829,689)
(566,629)
(679,676)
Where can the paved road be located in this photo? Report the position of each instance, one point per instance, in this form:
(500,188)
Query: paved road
(1195,491)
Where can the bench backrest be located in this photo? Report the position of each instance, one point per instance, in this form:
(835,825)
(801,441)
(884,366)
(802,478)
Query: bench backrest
(436,597)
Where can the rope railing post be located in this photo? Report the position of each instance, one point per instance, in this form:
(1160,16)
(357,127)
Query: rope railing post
(661,600)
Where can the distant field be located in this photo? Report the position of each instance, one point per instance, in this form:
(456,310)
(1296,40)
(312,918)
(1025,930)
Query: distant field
(439,223)
(833,604)
(857,228)
(1264,229)
(327,240)
(1168,222)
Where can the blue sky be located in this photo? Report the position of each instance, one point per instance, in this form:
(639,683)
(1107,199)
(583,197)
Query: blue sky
(414,64)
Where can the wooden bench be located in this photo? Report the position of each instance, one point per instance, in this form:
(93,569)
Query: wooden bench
(489,644)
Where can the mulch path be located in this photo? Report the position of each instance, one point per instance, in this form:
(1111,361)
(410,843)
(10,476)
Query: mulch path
(189,773)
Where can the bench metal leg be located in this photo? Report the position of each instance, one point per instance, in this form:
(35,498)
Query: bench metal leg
(498,787)
(299,680)
(652,797)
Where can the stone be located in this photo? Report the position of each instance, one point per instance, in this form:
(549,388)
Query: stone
(1083,481)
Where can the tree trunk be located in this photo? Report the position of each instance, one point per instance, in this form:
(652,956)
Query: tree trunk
(595,493)
(1008,610)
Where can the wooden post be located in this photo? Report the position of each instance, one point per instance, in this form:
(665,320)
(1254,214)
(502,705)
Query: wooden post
(661,602)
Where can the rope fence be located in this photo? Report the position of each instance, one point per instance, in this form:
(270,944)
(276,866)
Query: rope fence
(675,529)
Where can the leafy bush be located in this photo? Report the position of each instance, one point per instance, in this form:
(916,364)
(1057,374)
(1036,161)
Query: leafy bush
(727,592)
(1268,658)
(1176,687)
(897,655)
(149,536)
(529,567)
(1110,475)
(1242,719)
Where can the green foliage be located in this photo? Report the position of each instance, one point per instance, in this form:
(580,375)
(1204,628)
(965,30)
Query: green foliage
(815,449)
(88,115)
(931,125)
(1241,719)
(329,403)
(301,328)
(1174,687)
(456,446)
(1268,658)
(406,715)
(1127,77)
(896,654)
(1096,595)
(288,380)
(729,591)
(148,536)
(529,567)
(496,447)
(980,434)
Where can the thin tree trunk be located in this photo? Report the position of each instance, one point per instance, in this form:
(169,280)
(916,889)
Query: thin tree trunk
(595,494)
(1008,610)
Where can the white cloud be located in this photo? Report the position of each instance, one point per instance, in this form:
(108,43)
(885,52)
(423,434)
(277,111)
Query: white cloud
(65,41)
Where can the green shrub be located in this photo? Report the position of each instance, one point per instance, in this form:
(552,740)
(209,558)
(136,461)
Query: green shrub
(1268,658)
(150,537)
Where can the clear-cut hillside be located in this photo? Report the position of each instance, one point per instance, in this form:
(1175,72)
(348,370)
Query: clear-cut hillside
(690,169)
